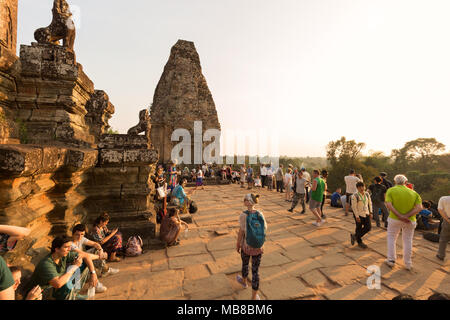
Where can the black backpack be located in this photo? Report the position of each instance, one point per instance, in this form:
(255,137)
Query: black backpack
(193,208)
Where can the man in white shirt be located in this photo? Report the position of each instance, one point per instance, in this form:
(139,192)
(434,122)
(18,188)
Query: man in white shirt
(307,177)
(350,182)
(263,174)
(444,238)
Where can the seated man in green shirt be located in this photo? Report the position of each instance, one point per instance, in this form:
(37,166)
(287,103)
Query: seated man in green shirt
(6,282)
(64,271)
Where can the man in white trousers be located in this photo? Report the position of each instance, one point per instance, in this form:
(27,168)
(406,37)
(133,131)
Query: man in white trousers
(403,204)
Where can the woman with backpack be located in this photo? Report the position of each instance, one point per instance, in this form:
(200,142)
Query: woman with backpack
(250,242)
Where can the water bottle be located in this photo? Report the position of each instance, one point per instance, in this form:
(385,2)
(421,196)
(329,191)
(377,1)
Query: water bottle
(91,293)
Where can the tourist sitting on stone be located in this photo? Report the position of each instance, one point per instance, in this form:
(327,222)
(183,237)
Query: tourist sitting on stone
(171,227)
(34,294)
(63,273)
(111,241)
(9,235)
(336,199)
(425,218)
(96,253)
(6,281)
(179,197)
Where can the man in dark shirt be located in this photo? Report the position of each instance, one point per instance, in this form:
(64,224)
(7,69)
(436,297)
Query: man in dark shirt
(378,193)
(385,181)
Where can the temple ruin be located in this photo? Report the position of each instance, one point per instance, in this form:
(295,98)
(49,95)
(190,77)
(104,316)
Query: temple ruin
(58,167)
(181,98)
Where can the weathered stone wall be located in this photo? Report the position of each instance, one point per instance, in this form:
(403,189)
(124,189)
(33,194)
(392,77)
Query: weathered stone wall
(8,59)
(181,98)
(8,24)
(58,167)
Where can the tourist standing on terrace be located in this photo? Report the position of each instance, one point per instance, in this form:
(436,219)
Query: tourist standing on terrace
(242,175)
(250,177)
(385,181)
(362,209)
(378,194)
(404,204)
(288,184)
(263,174)
(324,177)
(199,180)
(299,192)
(350,182)
(279,178)
(269,178)
(317,191)
(247,251)
(307,177)
(173,173)
(444,238)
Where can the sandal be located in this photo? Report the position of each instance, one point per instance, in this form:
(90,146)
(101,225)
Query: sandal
(241,281)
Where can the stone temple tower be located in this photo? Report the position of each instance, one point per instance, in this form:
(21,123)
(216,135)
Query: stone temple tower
(181,98)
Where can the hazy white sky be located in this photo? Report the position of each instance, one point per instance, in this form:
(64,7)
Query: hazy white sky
(315,70)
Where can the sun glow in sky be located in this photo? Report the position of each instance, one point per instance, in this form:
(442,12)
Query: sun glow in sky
(313,70)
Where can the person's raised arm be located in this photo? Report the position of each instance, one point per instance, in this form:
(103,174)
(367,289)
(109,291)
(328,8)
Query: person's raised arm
(17,232)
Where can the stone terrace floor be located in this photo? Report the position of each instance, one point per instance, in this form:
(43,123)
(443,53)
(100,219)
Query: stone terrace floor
(301,261)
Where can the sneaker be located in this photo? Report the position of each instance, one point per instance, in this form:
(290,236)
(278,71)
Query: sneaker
(352,239)
(439,257)
(323,220)
(241,281)
(81,297)
(100,288)
(378,225)
(111,271)
(317,224)
(390,263)
(362,245)
(257,297)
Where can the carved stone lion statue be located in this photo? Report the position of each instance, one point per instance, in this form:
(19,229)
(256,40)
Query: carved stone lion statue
(143,125)
(61,28)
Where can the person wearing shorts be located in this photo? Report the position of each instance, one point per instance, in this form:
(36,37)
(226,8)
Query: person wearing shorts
(317,192)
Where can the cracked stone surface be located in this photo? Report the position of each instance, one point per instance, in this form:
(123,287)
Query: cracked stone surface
(300,261)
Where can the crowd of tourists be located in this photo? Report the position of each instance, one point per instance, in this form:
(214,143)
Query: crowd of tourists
(80,260)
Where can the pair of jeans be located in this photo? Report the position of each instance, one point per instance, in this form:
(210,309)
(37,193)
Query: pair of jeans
(307,194)
(444,238)
(298,197)
(376,208)
(256,261)
(393,231)
(362,228)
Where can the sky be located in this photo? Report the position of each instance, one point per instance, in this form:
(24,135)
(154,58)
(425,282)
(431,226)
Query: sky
(311,71)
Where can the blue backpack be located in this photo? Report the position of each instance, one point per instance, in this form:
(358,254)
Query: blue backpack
(256,233)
